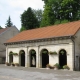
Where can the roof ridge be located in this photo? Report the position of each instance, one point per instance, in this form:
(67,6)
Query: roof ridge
(56,25)
(3,30)
(65,29)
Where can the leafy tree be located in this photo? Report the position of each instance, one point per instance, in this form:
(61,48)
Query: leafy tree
(29,20)
(70,8)
(64,10)
(48,15)
(38,14)
(22,29)
(1,27)
(9,23)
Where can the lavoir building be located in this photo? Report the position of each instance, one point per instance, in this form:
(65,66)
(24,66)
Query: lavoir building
(48,45)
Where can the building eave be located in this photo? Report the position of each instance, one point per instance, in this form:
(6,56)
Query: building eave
(40,40)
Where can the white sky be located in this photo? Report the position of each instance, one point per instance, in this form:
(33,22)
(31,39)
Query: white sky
(15,8)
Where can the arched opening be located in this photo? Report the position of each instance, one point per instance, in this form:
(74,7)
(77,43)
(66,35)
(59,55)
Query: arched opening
(62,58)
(32,58)
(44,58)
(11,57)
(22,58)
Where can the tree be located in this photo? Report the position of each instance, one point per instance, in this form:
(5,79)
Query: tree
(64,10)
(1,27)
(29,20)
(38,14)
(22,29)
(9,23)
(48,15)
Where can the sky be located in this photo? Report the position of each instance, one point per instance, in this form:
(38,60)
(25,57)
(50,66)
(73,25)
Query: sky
(14,9)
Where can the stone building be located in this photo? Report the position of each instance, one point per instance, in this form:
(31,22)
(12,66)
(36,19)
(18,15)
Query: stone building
(47,45)
(5,34)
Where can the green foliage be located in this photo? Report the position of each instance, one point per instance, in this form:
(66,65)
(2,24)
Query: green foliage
(66,67)
(33,52)
(44,52)
(11,53)
(57,65)
(64,21)
(62,52)
(15,53)
(57,22)
(9,23)
(53,52)
(29,20)
(48,16)
(38,14)
(60,21)
(21,52)
(22,29)
(62,11)
(1,27)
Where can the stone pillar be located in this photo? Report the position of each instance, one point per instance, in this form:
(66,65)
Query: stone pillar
(39,61)
(26,57)
(37,58)
(7,55)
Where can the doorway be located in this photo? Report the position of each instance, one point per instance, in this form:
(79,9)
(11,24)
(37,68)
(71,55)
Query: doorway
(22,58)
(10,57)
(44,57)
(32,58)
(62,58)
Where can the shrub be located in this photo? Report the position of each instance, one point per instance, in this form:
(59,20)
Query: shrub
(57,66)
(66,67)
(8,64)
(55,53)
(15,53)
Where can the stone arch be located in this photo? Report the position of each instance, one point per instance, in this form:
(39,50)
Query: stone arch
(10,57)
(62,57)
(32,58)
(44,58)
(22,58)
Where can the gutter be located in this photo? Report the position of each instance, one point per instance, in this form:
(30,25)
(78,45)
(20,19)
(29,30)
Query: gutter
(69,36)
(72,38)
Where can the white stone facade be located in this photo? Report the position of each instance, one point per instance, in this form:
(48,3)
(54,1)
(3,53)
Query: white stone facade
(50,45)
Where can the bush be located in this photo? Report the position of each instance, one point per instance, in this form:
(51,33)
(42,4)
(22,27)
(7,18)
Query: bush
(66,67)
(8,64)
(55,53)
(57,66)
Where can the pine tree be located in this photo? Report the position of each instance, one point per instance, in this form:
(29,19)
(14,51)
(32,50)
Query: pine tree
(9,23)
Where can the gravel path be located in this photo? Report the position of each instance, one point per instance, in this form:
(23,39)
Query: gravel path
(20,73)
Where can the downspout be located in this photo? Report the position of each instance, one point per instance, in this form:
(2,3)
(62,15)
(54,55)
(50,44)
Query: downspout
(72,38)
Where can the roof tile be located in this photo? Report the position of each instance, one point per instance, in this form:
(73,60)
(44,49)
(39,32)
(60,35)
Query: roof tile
(66,29)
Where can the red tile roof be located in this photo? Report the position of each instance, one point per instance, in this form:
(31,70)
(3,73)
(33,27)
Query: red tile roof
(67,29)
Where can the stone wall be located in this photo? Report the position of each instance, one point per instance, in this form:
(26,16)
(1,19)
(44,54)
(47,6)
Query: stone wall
(51,45)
